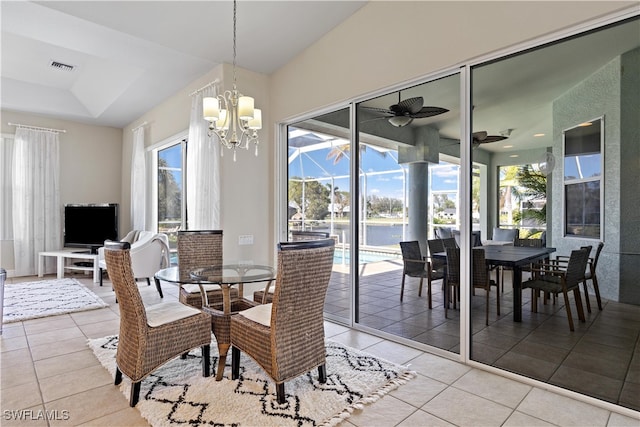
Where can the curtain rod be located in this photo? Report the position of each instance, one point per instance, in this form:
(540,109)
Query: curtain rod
(139,126)
(37,128)
(216,81)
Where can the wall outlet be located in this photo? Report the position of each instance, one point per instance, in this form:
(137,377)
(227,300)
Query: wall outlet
(245,239)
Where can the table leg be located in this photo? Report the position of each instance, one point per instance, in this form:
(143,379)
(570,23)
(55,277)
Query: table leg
(517,294)
(60,264)
(223,349)
(40,265)
(96,270)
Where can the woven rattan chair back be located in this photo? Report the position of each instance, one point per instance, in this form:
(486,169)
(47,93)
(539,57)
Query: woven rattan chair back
(201,248)
(294,343)
(133,319)
(297,321)
(299,235)
(142,348)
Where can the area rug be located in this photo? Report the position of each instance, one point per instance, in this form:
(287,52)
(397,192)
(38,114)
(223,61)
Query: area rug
(30,300)
(176,394)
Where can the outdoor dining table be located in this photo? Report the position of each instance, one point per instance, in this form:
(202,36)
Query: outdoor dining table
(514,257)
(226,276)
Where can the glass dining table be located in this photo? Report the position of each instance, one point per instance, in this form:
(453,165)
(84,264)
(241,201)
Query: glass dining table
(226,276)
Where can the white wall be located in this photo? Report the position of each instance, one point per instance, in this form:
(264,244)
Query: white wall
(90,163)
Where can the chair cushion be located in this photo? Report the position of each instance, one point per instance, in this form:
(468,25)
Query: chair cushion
(167,312)
(195,289)
(259,314)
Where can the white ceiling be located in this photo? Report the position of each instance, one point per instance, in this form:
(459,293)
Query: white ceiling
(131,55)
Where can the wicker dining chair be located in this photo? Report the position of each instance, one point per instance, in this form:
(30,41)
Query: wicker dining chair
(200,248)
(265,295)
(286,337)
(150,336)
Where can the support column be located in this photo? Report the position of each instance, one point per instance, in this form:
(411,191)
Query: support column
(418,203)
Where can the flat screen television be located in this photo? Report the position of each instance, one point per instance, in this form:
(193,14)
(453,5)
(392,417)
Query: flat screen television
(89,225)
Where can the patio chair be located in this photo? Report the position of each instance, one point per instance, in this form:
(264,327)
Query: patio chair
(589,274)
(480,279)
(554,278)
(416,265)
(200,248)
(286,337)
(150,336)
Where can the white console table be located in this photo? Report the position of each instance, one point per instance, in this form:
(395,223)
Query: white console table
(73,254)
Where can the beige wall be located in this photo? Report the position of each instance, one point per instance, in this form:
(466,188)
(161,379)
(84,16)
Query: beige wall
(388,42)
(90,163)
(246,201)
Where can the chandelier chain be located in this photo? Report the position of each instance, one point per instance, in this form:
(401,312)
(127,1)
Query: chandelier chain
(234,43)
(232,116)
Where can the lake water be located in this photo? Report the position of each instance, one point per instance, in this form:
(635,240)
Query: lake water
(376,234)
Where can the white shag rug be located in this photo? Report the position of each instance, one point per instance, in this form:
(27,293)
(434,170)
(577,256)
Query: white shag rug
(176,394)
(30,300)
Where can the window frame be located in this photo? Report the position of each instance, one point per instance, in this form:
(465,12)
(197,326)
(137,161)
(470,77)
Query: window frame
(599,178)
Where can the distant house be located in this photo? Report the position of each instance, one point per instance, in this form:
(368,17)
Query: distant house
(447,213)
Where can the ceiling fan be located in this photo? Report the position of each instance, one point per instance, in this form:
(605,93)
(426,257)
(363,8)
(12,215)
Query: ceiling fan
(403,113)
(482,137)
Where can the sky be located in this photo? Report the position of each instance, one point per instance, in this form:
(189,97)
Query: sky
(384,175)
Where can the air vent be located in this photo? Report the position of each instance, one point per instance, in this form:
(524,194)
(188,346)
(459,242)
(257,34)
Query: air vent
(61,66)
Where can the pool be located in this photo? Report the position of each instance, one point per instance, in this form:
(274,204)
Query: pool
(364,257)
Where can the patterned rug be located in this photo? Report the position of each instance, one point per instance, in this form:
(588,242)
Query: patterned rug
(30,300)
(176,394)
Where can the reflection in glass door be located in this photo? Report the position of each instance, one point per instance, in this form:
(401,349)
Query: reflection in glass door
(319,196)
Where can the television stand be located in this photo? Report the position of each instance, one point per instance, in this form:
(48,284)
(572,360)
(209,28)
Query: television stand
(90,262)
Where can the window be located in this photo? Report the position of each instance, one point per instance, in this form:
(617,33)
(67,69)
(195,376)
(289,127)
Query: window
(582,180)
(171,191)
(522,198)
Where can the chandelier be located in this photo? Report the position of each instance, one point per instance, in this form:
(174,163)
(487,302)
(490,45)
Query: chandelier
(232,116)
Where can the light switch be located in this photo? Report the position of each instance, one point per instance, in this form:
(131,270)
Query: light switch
(245,239)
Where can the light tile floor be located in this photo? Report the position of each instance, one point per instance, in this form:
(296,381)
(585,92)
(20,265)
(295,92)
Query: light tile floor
(46,365)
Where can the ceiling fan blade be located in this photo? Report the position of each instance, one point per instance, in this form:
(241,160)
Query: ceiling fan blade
(378,110)
(411,106)
(428,112)
(373,119)
(479,136)
(493,138)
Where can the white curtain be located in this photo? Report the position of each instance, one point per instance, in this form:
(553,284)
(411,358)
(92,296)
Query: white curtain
(138,184)
(37,224)
(6,180)
(203,169)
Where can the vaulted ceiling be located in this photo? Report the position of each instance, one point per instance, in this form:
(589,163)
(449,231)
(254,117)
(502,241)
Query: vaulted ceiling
(128,56)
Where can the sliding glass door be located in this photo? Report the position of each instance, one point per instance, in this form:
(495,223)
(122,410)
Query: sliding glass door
(319,196)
